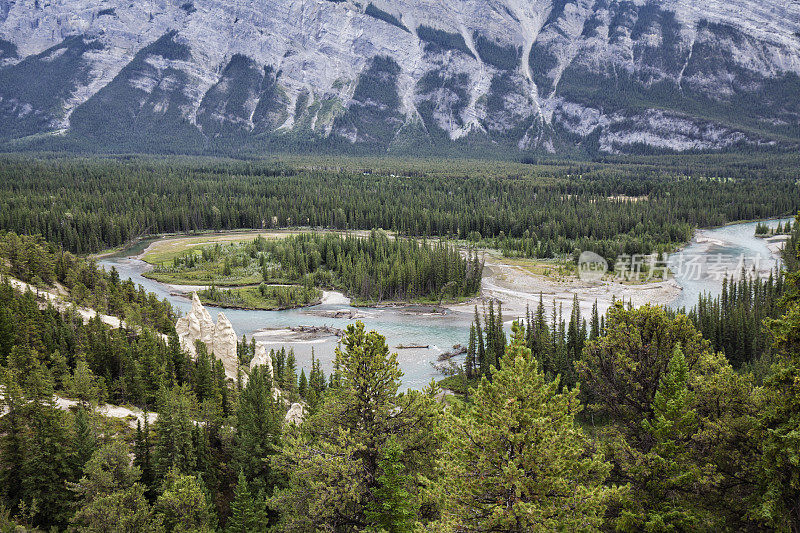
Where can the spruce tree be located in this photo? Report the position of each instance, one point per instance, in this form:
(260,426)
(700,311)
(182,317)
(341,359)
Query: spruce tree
(394,508)
(778,504)
(141,454)
(84,441)
(258,430)
(110,497)
(12,441)
(665,476)
(594,330)
(302,385)
(175,448)
(289,379)
(483,364)
(248,512)
(183,505)
(471,354)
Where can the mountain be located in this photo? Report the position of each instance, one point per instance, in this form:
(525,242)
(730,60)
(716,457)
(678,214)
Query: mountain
(423,76)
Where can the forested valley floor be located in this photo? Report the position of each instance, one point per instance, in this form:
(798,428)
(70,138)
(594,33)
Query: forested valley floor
(641,419)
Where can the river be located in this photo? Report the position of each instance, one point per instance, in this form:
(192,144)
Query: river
(718,249)
(701,265)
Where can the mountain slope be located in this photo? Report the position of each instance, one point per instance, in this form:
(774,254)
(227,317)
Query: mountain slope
(434,75)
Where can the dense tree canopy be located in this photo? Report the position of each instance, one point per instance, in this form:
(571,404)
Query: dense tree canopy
(539,211)
(691,421)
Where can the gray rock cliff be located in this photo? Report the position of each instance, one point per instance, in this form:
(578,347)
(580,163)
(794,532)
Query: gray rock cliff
(408,75)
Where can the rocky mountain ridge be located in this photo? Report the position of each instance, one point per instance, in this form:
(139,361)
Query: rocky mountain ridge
(405,76)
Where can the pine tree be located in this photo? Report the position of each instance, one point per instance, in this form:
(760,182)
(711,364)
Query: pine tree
(84,442)
(302,385)
(516,460)
(175,448)
(394,508)
(491,339)
(594,331)
(483,364)
(471,354)
(665,476)
(110,497)
(248,512)
(12,441)
(183,505)
(204,373)
(541,347)
(258,429)
(500,334)
(778,504)
(142,459)
(337,485)
(46,462)
(622,369)
(290,373)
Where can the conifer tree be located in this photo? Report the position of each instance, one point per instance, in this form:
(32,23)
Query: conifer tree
(622,370)
(549,477)
(290,373)
(183,505)
(333,461)
(46,461)
(483,364)
(84,441)
(778,504)
(110,497)
(664,476)
(142,454)
(258,429)
(302,384)
(594,329)
(394,508)
(471,353)
(248,513)
(175,448)
(12,441)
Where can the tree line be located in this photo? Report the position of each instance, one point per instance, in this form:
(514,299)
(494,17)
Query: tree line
(376,267)
(45,264)
(87,205)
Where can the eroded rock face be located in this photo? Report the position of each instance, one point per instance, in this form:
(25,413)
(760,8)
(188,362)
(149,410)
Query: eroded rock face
(262,358)
(195,326)
(295,415)
(223,345)
(220,339)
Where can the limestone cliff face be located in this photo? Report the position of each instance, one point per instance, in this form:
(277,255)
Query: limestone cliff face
(220,338)
(547,75)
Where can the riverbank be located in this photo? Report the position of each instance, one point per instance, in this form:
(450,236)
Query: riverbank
(516,284)
(263,297)
(506,280)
